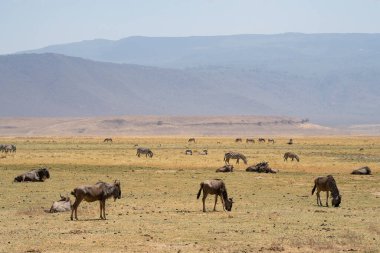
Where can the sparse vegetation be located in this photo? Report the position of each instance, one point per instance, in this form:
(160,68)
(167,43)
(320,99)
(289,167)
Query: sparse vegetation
(159,212)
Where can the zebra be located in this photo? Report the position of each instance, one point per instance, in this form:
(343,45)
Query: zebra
(9,148)
(271,140)
(249,141)
(234,155)
(261,140)
(191,140)
(145,151)
(291,155)
(107,140)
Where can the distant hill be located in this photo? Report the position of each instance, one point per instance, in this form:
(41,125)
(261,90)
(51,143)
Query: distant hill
(51,85)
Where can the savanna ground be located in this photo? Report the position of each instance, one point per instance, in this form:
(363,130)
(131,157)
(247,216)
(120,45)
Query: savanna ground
(159,212)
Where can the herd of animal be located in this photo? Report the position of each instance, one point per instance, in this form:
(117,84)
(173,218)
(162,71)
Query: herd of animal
(101,191)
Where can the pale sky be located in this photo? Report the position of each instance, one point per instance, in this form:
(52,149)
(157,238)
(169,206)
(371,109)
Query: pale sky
(31,24)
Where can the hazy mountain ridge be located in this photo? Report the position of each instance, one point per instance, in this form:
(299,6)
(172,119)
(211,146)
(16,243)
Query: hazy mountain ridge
(329,78)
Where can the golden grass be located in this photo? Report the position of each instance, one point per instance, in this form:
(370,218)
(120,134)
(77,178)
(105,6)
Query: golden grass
(159,212)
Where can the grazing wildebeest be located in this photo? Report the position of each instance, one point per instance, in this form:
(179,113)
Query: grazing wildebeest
(191,140)
(226,168)
(362,171)
(37,175)
(271,140)
(204,152)
(249,141)
(327,184)
(98,192)
(234,155)
(107,140)
(145,151)
(62,205)
(290,142)
(291,155)
(188,152)
(261,140)
(238,140)
(218,188)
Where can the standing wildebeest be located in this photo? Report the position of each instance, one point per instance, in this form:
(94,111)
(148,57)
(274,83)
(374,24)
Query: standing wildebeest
(145,151)
(290,142)
(327,184)
(107,140)
(37,175)
(291,155)
(238,140)
(271,140)
(98,192)
(261,140)
(62,205)
(249,141)
(218,188)
(362,171)
(188,152)
(234,155)
(191,140)
(226,168)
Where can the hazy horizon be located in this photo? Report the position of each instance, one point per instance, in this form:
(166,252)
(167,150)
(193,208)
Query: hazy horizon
(29,25)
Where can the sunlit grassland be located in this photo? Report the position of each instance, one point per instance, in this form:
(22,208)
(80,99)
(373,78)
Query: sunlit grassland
(158,210)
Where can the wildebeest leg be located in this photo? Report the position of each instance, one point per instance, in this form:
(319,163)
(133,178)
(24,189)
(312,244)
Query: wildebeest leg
(319,202)
(101,209)
(216,200)
(327,198)
(75,208)
(204,201)
(104,209)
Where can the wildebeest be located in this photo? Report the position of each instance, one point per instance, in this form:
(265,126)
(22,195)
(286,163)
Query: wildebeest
(191,140)
(98,192)
(327,184)
(145,151)
(238,140)
(188,152)
(62,205)
(107,140)
(226,168)
(290,142)
(291,155)
(262,167)
(261,140)
(271,140)
(218,188)
(37,175)
(204,152)
(234,155)
(362,171)
(249,141)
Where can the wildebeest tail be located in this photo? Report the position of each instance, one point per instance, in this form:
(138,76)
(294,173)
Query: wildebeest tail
(315,186)
(200,190)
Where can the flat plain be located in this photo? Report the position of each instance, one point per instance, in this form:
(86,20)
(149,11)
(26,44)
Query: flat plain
(159,212)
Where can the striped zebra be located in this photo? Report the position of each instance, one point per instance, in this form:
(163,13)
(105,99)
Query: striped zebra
(234,155)
(8,148)
(145,151)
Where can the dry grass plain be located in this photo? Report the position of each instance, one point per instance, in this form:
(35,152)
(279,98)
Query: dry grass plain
(159,212)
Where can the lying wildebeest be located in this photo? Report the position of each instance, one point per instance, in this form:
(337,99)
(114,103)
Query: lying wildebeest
(291,155)
(290,142)
(262,167)
(204,152)
(362,171)
(327,184)
(238,140)
(271,140)
(145,151)
(226,168)
(107,140)
(249,141)
(37,175)
(191,140)
(218,188)
(234,155)
(188,152)
(261,140)
(98,192)
(62,205)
